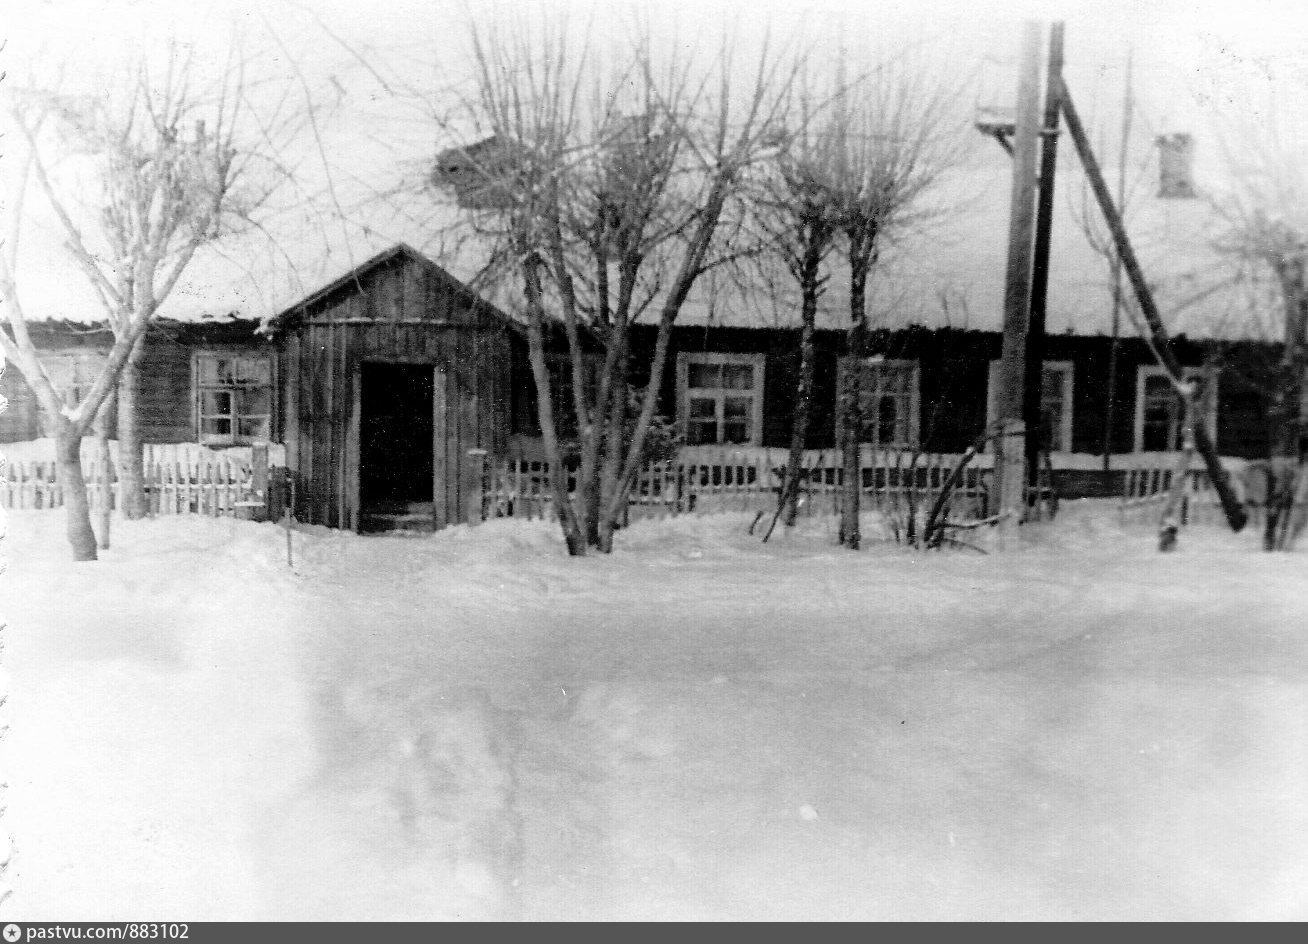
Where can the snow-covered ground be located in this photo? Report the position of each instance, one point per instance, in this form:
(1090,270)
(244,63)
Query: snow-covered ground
(700,726)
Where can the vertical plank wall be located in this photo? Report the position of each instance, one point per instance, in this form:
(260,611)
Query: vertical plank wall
(404,311)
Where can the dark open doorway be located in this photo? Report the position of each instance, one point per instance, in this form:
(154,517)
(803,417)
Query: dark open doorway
(395,437)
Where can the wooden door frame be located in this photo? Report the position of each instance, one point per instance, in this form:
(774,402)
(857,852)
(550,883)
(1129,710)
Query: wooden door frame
(352,445)
(439,447)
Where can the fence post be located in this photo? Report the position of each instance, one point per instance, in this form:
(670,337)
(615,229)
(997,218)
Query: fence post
(476,504)
(259,472)
(289,513)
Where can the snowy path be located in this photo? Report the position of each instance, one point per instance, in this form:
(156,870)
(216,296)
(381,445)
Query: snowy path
(471,726)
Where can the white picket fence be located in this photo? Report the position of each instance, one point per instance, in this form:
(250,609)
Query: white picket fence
(179,479)
(1146,488)
(895,481)
(187,478)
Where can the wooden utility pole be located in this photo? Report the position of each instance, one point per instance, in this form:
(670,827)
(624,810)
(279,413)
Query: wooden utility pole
(1035,333)
(1010,447)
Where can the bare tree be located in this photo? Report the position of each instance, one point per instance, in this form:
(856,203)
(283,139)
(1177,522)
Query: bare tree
(612,191)
(797,207)
(894,135)
(1268,228)
(173,169)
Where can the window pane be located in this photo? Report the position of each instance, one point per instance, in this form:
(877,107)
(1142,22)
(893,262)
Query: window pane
(704,375)
(738,376)
(702,408)
(737,419)
(217,370)
(1161,415)
(735,432)
(699,432)
(253,370)
(1156,436)
(215,403)
(1051,390)
(235,396)
(1158,411)
(1051,425)
(216,427)
(887,420)
(1052,380)
(1158,389)
(737,408)
(256,400)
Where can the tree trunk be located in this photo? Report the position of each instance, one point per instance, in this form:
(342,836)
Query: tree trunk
(851,424)
(607,484)
(789,496)
(615,436)
(586,498)
(588,442)
(131,451)
(77,511)
(594,533)
(860,263)
(691,267)
(598,450)
(573,534)
(106,485)
(791,487)
(606,481)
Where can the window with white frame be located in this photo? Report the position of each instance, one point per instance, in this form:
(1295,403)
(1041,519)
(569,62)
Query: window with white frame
(1055,402)
(720,398)
(233,398)
(1158,413)
(888,400)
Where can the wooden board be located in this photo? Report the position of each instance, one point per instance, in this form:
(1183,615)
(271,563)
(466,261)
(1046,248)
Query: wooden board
(440,462)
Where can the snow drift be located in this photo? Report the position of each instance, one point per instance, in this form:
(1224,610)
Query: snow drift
(470,725)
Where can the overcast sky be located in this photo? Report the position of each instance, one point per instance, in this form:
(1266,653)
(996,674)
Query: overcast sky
(1196,64)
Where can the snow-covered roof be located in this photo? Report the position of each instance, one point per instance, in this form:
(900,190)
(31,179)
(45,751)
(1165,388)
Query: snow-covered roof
(950,270)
